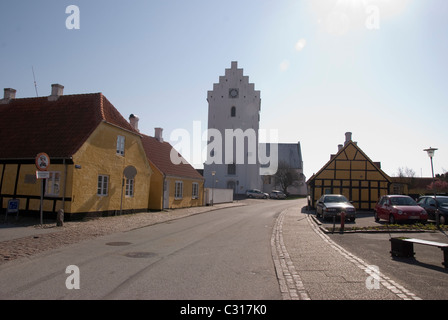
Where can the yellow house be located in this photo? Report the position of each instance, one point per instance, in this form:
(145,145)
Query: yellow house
(351,173)
(89,145)
(172,185)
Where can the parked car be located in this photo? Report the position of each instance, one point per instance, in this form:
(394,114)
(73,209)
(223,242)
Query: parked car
(330,205)
(432,204)
(255,193)
(277,195)
(395,208)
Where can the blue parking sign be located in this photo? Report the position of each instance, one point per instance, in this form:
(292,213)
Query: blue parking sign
(13,205)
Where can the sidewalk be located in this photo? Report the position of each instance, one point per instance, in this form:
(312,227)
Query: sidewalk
(28,237)
(319,269)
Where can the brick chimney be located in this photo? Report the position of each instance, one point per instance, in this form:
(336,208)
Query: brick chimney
(8,95)
(57,90)
(133,120)
(348,138)
(158,134)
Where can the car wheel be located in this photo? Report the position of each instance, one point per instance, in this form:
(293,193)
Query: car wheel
(376,217)
(391,219)
(352,219)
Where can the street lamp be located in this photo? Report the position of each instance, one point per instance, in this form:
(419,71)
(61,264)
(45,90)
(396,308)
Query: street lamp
(431,152)
(213,190)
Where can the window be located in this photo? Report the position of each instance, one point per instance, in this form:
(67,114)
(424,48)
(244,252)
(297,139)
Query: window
(195,190)
(103,185)
(233,112)
(178,191)
(52,184)
(129,190)
(231,169)
(120,145)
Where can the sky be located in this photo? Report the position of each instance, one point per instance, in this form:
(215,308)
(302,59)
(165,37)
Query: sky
(376,68)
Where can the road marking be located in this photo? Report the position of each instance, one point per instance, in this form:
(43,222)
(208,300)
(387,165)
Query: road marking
(388,283)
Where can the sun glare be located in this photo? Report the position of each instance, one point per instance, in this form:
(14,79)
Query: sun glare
(340,16)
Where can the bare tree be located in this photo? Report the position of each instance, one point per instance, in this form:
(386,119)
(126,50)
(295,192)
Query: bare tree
(285,176)
(405,173)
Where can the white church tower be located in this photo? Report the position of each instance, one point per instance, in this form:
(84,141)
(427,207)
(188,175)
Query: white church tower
(233,124)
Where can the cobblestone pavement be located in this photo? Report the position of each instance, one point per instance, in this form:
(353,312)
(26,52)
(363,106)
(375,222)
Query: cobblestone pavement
(76,231)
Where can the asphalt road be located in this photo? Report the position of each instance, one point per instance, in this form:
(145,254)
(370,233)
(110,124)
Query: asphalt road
(223,254)
(424,275)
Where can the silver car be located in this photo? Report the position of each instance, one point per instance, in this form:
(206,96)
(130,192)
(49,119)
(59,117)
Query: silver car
(255,193)
(330,205)
(277,195)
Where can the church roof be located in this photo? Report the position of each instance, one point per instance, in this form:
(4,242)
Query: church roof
(288,153)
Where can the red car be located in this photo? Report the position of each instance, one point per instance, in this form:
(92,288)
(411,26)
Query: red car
(395,208)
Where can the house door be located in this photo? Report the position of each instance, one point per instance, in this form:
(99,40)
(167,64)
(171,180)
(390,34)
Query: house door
(166,194)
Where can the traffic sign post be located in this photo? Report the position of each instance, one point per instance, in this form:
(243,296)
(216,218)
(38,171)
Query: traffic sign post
(42,163)
(13,207)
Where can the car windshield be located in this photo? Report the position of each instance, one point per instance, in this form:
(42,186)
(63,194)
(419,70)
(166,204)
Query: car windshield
(335,199)
(402,201)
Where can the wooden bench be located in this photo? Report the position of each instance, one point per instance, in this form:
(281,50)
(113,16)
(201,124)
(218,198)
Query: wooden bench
(404,247)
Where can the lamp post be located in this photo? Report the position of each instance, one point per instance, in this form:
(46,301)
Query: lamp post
(213,190)
(431,152)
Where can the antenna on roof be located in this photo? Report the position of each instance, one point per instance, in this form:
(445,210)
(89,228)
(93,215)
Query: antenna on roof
(35,84)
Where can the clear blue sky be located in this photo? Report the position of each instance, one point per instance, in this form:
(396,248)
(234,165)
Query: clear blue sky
(320,70)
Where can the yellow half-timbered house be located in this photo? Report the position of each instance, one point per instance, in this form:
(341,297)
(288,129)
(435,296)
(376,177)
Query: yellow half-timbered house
(351,173)
(89,144)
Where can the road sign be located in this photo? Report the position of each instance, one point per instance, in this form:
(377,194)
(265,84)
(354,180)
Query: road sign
(13,205)
(42,161)
(42,175)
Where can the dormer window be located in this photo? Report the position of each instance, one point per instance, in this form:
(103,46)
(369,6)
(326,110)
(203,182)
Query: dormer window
(120,145)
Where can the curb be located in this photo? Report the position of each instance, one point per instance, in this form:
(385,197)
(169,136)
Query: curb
(384,230)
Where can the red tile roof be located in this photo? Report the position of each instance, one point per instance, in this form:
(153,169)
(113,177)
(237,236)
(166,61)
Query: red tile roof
(159,154)
(59,128)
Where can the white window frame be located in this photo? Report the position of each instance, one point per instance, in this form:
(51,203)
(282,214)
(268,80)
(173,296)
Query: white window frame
(120,145)
(52,186)
(103,185)
(178,190)
(129,189)
(195,190)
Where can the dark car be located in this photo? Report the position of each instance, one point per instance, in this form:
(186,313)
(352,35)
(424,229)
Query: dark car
(433,204)
(330,205)
(395,208)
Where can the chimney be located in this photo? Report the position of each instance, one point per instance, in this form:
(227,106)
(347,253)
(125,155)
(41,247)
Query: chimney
(158,134)
(133,120)
(340,146)
(9,95)
(348,137)
(57,90)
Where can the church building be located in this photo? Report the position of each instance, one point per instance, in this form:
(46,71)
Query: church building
(235,158)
